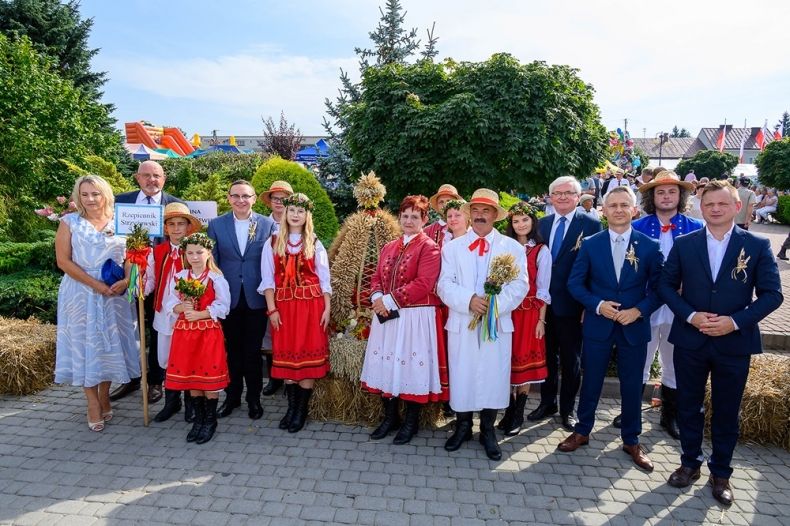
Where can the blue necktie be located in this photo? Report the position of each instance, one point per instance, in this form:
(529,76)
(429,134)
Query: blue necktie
(559,234)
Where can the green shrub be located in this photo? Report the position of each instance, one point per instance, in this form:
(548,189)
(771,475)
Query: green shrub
(783,209)
(15,257)
(30,293)
(302,181)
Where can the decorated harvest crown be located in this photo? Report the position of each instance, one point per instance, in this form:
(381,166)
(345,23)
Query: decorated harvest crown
(369,191)
(300,200)
(521,209)
(452,204)
(198,239)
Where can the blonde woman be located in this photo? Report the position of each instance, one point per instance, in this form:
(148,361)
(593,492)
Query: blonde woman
(96,338)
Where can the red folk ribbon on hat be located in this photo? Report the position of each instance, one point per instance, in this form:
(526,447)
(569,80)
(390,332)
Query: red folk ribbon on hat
(667,228)
(480,244)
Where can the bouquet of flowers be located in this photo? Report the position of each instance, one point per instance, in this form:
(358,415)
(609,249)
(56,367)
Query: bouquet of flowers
(54,212)
(503,270)
(191,289)
(137,246)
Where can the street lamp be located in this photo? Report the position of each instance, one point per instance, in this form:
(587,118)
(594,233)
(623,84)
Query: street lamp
(662,138)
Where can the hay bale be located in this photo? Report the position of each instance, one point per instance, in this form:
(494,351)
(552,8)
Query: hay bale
(27,355)
(765,412)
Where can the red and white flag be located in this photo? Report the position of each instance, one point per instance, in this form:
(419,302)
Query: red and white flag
(722,137)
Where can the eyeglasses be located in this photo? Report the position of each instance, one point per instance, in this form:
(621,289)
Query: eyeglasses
(241,197)
(563,194)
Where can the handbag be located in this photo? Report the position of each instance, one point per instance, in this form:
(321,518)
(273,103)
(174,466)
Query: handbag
(111,272)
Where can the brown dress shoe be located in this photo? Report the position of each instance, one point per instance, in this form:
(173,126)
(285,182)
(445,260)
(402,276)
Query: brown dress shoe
(154,393)
(573,442)
(683,476)
(639,456)
(721,490)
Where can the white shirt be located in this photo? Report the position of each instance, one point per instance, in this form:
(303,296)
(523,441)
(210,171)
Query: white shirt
(388,300)
(321,264)
(569,219)
(142,199)
(242,227)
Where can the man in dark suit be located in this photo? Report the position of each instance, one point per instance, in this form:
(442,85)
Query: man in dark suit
(239,237)
(564,231)
(710,281)
(151,178)
(615,277)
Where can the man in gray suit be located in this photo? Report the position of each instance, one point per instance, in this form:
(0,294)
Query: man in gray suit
(151,178)
(239,236)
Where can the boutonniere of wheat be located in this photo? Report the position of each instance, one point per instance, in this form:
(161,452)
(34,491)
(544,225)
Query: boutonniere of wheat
(578,244)
(253,228)
(740,266)
(630,256)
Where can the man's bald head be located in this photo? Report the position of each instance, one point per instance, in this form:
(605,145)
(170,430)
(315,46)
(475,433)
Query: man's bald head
(150,177)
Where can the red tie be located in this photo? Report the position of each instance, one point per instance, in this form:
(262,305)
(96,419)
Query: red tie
(480,244)
(667,228)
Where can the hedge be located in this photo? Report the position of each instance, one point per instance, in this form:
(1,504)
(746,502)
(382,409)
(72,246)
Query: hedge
(30,293)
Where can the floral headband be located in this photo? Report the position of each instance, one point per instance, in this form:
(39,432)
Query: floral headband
(300,200)
(455,204)
(198,239)
(521,209)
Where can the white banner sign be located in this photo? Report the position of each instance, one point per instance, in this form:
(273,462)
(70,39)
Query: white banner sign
(203,210)
(149,216)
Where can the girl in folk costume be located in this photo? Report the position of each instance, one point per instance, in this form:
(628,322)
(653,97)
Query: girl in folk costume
(405,352)
(437,230)
(200,296)
(528,359)
(164,262)
(295,281)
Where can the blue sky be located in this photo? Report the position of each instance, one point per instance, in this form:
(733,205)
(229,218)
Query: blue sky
(202,67)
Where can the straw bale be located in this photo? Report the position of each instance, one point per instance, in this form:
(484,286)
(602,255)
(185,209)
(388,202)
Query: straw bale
(765,411)
(27,355)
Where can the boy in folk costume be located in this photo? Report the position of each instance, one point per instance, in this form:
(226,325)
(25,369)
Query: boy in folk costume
(479,366)
(164,262)
(295,281)
(436,230)
(198,362)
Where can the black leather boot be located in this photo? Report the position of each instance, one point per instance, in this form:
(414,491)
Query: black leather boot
(199,403)
(488,435)
(669,411)
(209,422)
(301,409)
(290,393)
(189,409)
(507,419)
(410,424)
(463,431)
(391,420)
(274,383)
(172,406)
(518,415)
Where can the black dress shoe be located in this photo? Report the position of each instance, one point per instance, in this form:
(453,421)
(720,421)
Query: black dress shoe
(568,423)
(542,411)
(270,388)
(125,390)
(721,490)
(227,408)
(255,410)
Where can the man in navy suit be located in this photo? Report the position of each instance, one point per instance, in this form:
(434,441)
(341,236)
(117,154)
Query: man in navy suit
(615,277)
(151,178)
(239,236)
(564,231)
(710,280)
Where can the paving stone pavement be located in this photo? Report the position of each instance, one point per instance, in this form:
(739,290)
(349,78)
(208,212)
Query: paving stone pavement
(53,470)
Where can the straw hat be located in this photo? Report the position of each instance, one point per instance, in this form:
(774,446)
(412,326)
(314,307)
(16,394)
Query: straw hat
(445,189)
(665,177)
(484,196)
(181,210)
(277,186)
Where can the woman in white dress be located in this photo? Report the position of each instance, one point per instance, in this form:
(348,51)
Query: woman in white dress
(96,336)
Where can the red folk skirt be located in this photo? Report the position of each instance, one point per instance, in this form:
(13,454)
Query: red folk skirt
(300,347)
(528,359)
(197,357)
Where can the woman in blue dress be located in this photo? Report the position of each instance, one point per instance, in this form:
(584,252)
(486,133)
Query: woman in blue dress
(96,336)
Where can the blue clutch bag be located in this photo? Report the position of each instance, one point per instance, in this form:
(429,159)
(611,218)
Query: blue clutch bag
(111,272)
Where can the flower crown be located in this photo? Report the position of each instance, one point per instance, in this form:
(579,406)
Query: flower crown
(521,208)
(452,204)
(198,238)
(300,200)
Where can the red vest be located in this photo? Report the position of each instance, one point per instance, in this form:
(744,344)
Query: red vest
(162,269)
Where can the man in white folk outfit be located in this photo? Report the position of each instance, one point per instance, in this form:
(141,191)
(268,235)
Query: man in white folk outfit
(479,368)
